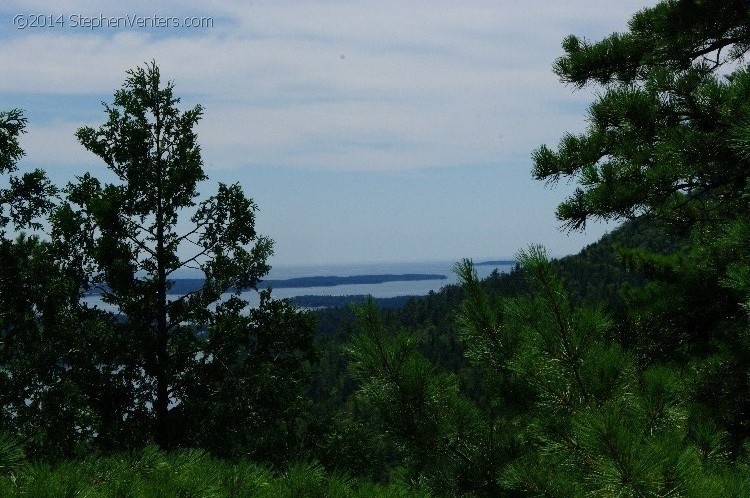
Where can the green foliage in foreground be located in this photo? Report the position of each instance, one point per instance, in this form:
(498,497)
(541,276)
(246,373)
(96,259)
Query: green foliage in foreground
(566,410)
(622,372)
(190,473)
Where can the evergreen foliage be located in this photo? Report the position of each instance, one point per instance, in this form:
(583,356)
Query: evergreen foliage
(76,379)
(621,371)
(667,140)
(566,410)
(188,473)
(129,239)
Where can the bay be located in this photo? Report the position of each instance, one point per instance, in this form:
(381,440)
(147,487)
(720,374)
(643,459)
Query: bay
(379,290)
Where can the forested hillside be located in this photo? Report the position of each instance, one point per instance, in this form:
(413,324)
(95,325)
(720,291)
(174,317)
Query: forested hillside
(620,371)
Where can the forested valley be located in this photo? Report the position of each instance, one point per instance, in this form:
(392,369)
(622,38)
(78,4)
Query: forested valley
(623,370)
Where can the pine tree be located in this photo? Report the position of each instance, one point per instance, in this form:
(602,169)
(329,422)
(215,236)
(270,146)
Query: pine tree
(662,134)
(134,236)
(438,432)
(667,140)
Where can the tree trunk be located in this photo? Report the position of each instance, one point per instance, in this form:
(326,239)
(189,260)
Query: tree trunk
(161,407)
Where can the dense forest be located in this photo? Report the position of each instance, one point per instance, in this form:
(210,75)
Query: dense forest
(623,370)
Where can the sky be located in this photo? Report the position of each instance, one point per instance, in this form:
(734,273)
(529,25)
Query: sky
(385,131)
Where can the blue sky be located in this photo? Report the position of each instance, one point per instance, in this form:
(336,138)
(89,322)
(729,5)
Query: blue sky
(365,131)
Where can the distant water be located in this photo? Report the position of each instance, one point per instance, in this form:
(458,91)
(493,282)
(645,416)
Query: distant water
(381,290)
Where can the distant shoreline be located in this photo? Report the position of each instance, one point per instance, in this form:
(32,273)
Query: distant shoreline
(181,286)
(333,281)
(501,262)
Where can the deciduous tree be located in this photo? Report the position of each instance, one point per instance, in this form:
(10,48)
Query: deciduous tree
(46,336)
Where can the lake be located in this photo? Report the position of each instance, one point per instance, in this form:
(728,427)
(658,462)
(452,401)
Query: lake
(380,290)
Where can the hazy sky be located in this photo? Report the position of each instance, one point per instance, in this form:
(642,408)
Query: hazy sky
(365,131)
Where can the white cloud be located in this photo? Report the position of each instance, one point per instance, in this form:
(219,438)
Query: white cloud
(445,91)
(328,85)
